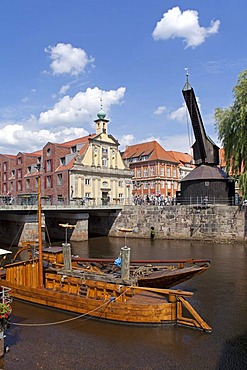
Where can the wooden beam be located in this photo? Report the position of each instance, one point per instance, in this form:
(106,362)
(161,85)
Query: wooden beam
(196,316)
(165,291)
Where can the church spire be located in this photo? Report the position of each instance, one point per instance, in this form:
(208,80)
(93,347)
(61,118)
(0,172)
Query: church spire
(101,114)
(101,122)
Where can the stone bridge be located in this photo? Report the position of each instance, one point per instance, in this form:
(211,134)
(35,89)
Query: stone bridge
(206,222)
(19,223)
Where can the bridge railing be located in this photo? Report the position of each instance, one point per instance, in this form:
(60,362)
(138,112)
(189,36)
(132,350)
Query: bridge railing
(30,202)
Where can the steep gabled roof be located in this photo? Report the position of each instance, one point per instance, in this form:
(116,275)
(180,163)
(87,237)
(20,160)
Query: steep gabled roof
(71,162)
(10,156)
(37,153)
(152,149)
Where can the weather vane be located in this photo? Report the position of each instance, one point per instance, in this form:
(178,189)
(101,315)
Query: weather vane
(187,73)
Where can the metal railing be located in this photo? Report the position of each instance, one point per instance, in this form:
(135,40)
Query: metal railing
(200,200)
(21,203)
(48,202)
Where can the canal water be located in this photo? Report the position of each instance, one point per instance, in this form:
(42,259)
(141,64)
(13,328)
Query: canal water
(220,297)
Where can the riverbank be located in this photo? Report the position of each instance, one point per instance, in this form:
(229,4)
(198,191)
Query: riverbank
(196,222)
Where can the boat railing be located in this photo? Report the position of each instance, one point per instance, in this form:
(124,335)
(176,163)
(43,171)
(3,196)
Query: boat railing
(5,295)
(180,262)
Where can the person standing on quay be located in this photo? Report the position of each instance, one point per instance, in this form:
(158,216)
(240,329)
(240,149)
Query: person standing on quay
(152,234)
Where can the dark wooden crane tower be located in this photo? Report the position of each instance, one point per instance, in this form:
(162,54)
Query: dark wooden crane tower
(206,183)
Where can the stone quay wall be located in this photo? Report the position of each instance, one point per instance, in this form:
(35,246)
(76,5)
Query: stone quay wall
(206,222)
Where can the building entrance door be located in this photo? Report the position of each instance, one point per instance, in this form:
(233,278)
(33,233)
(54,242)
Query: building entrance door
(105,198)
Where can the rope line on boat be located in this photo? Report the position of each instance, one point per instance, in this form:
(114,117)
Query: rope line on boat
(64,321)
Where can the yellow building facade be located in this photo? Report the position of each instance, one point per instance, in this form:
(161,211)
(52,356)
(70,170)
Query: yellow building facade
(98,174)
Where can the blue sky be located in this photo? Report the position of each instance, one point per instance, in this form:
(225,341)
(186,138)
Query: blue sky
(59,58)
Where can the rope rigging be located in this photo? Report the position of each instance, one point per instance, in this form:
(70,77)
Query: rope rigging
(63,321)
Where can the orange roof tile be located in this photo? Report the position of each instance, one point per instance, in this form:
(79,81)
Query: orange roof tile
(152,148)
(181,157)
(9,155)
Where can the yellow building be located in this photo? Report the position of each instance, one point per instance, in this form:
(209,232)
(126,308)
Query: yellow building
(98,174)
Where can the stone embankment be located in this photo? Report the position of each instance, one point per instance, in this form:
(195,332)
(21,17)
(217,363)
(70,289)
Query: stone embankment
(206,222)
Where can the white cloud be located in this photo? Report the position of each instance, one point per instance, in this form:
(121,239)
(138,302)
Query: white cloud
(125,140)
(17,138)
(82,108)
(25,100)
(181,143)
(181,114)
(68,59)
(159,110)
(184,25)
(64,89)
(61,123)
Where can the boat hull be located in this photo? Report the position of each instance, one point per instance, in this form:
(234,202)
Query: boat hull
(166,279)
(145,308)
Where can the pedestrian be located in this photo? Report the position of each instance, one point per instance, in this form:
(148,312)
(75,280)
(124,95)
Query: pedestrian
(152,234)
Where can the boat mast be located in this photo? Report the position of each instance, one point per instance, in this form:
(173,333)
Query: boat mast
(41,283)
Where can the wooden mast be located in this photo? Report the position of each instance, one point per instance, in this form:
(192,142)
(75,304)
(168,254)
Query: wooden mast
(41,283)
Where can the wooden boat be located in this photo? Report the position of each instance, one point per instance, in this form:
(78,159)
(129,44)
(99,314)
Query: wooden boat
(166,278)
(96,294)
(155,273)
(91,292)
(67,290)
(150,273)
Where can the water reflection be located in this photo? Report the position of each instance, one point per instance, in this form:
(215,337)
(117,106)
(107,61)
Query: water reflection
(220,298)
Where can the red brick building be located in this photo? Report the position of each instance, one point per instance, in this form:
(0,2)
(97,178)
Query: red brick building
(20,173)
(7,163)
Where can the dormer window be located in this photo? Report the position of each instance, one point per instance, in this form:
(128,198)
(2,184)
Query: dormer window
(73,149)
(62,161)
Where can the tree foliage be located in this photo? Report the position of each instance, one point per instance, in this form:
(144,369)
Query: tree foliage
(231,124)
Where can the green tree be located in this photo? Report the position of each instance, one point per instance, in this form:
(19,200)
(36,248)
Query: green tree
(231,124)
